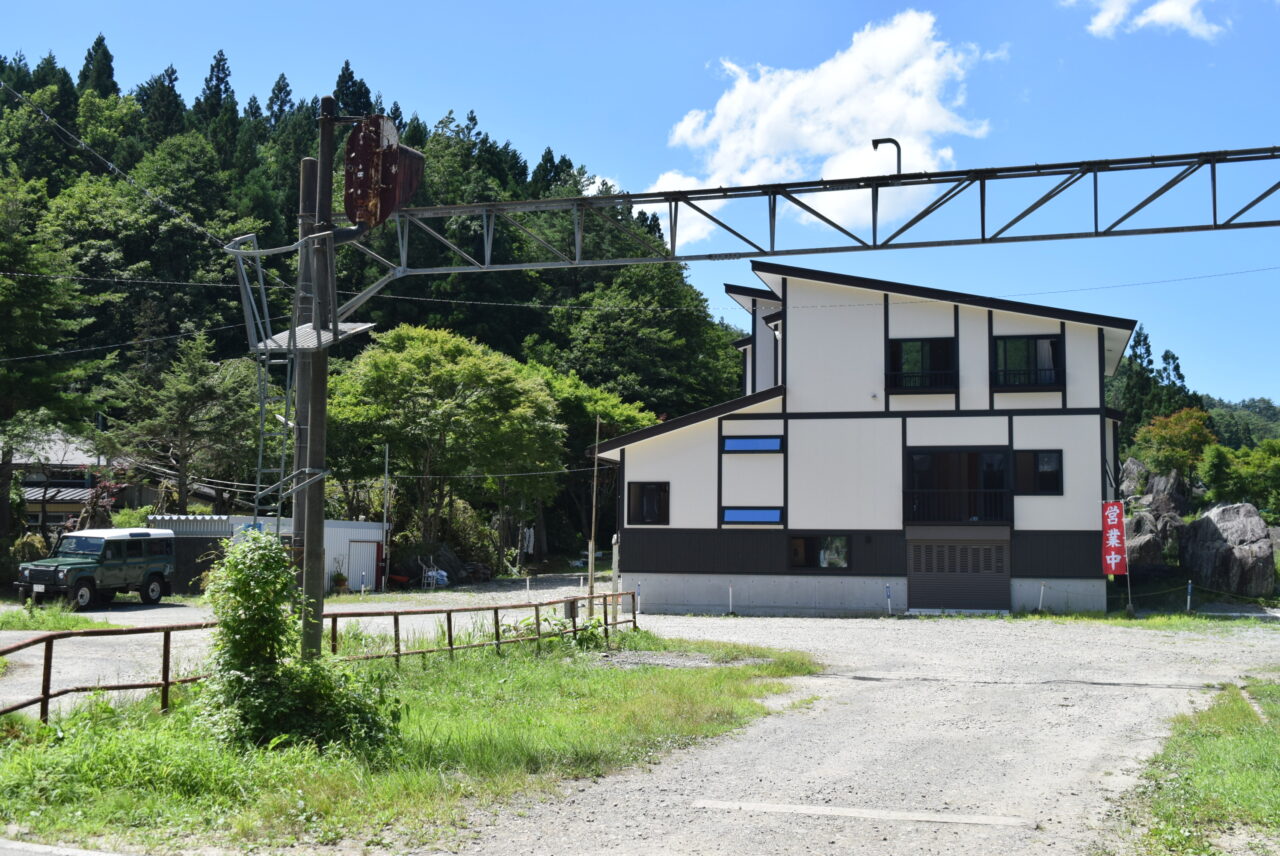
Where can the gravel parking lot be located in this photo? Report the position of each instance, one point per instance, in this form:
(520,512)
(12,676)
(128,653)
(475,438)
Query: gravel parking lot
(958,736)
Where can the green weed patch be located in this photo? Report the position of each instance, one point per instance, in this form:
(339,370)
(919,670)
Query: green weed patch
(471,730)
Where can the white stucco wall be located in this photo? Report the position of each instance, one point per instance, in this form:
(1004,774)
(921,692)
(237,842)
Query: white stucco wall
(901,403)
(958,431)
(1013,324)
(751,427)
(834,350)
(916,318)
(687,459)
(1081,343)
(1028,400)
(751,480)
(765,344)
(975,354)
(1078,507)
(845,473)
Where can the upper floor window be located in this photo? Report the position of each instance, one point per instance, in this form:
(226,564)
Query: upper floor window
(922,365)
(648,503)
(1029,362)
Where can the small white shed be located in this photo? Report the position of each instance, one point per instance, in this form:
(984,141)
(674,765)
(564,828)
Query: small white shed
(353,547)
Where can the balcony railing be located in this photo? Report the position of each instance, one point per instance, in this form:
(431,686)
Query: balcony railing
(934,381)
(1034,378)
(958,506)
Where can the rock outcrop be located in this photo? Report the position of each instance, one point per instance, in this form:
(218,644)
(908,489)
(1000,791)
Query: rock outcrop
(1151,540)
(1133,477)
(1230,550)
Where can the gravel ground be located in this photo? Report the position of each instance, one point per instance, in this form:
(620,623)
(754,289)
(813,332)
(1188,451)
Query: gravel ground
(926,736)
(957,736)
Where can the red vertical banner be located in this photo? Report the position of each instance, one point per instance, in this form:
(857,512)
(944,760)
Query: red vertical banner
(1115,559)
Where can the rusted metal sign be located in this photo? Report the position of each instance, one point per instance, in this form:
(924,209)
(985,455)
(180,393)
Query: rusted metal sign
(381,174)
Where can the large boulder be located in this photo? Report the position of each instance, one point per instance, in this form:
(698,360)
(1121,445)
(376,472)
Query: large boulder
(1133,477)
(1166,494)
(1151,540)
(1229,550)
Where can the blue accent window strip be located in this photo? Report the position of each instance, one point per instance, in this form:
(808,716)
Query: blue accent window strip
(751,515)
(752,444)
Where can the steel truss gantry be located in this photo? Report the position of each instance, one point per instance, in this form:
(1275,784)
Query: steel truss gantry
(602,213)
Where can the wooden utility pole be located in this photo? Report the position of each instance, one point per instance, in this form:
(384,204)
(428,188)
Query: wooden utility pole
(591,543)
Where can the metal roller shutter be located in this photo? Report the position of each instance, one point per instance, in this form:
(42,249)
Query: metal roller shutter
(950,575)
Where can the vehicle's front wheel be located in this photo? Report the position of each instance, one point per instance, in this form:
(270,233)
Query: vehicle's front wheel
(152,590)
(82,595)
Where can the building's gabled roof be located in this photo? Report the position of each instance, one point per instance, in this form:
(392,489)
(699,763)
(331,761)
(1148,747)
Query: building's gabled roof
(688,419)
(744,342)
(770,270)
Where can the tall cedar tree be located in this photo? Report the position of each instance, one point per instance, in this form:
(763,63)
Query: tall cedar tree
(98,72)
(163,110)
(352,93)
(215,113)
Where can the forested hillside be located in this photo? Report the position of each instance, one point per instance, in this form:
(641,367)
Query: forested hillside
(110,264)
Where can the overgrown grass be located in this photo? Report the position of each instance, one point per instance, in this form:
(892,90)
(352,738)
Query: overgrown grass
(1218,771)
(56,615)
(473,730)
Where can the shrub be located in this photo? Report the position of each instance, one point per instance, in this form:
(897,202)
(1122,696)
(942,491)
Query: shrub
(129,518)
(259,692)
(1174,442)
(29,548)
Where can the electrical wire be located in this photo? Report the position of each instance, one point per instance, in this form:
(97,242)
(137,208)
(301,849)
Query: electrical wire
(134,343)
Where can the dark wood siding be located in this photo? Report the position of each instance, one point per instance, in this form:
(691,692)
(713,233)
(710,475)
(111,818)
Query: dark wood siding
(1057,555)
(753,551)
(191,558)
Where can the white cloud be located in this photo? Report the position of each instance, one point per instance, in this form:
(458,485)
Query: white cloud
(896,79)
(1112,16)
(1178,15)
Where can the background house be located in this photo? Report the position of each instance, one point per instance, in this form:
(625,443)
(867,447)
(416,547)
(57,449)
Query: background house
(938,449)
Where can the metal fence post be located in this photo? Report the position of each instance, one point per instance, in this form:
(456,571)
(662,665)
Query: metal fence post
(497,634)
(635,625)
(604,610)
(448,629)
(333,633)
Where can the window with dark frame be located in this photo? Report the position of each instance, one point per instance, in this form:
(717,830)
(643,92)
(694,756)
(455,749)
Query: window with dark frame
(648,503)
(1038,472)
(749,445)
(1029,361)
(922,365)
(819,551)
(741,514)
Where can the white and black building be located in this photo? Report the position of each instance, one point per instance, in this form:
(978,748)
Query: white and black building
(950,449)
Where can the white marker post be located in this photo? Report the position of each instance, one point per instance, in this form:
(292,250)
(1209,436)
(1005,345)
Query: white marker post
(888,599)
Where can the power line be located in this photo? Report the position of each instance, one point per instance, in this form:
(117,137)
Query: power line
(134,343)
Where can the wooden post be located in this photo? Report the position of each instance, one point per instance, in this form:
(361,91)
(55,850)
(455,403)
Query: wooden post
(537,627)
(164,674)
(497,635)
(333,633)
(46,680)
(448,629)
(395,622)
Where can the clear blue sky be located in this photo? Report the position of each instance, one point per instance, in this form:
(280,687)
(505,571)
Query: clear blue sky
(797,90)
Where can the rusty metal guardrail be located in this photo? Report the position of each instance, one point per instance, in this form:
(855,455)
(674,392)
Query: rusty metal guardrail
(47,640)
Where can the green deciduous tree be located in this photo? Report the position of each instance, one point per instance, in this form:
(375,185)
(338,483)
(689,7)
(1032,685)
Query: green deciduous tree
(449,407)
(43,314)
(1174,442)
(1244,475)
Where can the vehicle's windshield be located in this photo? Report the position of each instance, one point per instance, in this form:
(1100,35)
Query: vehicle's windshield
(79,545)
